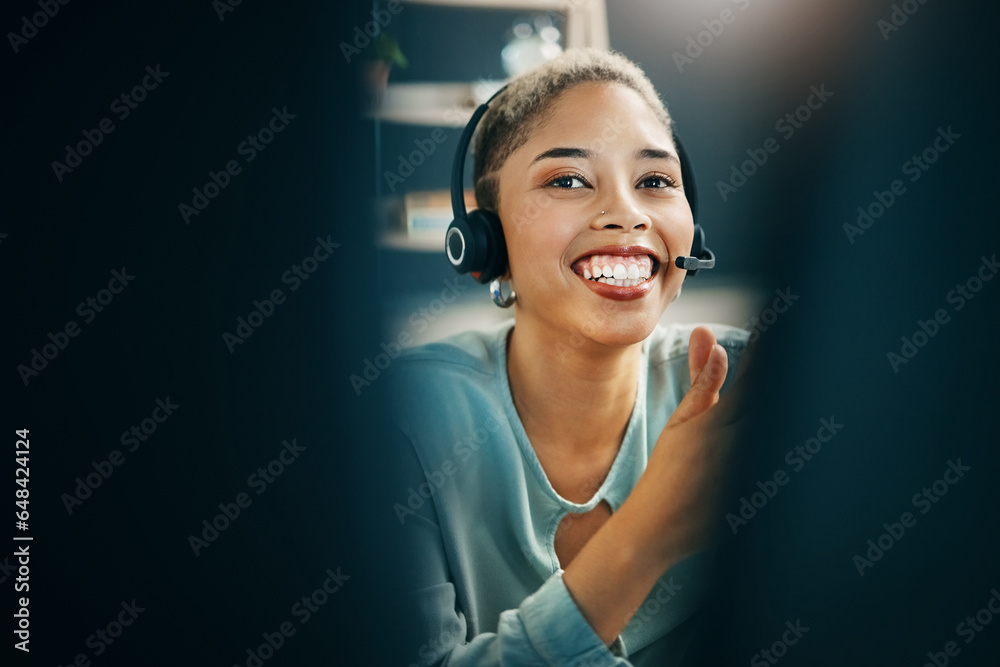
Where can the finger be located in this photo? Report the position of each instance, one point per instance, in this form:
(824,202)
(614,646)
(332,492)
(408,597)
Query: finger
(699,345)
(704,392)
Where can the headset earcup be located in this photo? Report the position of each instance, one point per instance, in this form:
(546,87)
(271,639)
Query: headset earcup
(462,247)
(475,244)
(486,225)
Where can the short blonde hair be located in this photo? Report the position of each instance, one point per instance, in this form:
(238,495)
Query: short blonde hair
(517,110)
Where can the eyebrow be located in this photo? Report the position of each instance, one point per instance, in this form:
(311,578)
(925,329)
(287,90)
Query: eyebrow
(656,154)
(641,154)
(562,152)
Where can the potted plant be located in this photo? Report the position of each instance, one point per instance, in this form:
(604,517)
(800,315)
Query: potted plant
(377,60)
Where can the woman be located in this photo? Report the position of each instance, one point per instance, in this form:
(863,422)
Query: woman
(554,509)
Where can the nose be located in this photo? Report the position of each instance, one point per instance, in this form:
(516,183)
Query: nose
(619,211)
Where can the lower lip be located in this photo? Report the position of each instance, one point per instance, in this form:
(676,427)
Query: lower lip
(619,293)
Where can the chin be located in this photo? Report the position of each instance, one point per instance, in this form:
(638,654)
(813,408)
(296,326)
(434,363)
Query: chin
(575,317)
(619,330)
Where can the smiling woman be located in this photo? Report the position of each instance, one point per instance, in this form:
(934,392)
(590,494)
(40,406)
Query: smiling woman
(593,490)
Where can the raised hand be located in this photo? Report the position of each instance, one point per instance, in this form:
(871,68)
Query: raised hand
(687,466)
(670,512)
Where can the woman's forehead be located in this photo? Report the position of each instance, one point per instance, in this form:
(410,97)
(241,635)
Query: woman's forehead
(597,115)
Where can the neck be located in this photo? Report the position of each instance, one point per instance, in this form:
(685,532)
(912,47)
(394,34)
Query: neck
(574,396)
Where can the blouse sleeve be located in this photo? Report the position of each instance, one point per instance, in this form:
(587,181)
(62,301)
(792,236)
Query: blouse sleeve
(547,628)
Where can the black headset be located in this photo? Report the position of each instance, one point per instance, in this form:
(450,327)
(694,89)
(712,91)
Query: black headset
(474,242)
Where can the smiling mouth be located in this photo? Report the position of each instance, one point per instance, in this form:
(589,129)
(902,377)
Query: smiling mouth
(617,270)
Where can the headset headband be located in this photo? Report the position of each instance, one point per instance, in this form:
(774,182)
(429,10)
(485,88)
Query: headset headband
(469,238)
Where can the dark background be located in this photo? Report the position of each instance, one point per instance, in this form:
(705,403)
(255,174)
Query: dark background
(162,336)
(332,508)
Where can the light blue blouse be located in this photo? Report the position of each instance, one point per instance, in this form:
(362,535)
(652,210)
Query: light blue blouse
(480,516)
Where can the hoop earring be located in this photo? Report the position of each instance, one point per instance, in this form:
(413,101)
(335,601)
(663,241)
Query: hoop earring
(503,302)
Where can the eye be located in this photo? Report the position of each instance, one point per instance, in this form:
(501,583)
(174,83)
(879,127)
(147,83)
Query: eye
(568,182)
(658,181)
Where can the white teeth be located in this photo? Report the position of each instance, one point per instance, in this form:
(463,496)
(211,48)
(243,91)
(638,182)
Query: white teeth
(621,271)
(617,282)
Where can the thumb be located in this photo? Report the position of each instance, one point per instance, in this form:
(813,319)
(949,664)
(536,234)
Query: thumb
(704,391)
(699,345)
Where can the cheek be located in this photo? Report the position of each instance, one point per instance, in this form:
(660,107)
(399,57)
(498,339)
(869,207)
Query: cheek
(531,212)
(678,233)
(536,240)
(533,254)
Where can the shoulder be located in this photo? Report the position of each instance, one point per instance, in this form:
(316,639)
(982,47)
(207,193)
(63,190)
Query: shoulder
(446,401)
(458,377)
(470,353)
(669,344)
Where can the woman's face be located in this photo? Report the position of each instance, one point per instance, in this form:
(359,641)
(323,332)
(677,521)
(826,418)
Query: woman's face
(599,147)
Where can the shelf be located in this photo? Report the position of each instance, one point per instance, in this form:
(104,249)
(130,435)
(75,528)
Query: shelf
(586,20)
(451,104)
(418,221)
(539,5)
(434,104)
(430,241)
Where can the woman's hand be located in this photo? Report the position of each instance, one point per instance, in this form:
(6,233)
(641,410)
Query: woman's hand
(686,470)
(669,514)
